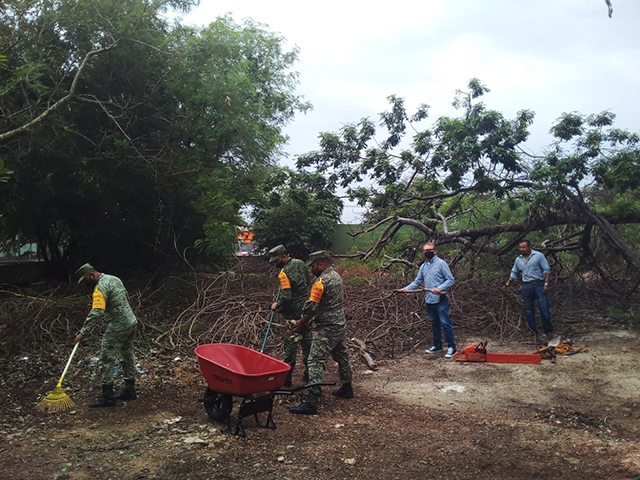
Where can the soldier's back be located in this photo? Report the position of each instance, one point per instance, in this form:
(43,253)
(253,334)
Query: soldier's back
(330,308)
(118,308)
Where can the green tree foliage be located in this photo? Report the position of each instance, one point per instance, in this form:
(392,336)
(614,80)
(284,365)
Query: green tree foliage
(4,171)
(467,180)
(131,136)
(297,209)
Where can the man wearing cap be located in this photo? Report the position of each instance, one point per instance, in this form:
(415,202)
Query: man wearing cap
(329,331)
(294,291)
(436,278)
(111,303)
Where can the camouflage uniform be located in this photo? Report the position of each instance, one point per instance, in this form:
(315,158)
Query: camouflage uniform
(294,291)
(329,330)
(111,302)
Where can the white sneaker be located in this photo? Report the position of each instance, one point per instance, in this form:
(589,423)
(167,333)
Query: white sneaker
(432,350)
(450,352)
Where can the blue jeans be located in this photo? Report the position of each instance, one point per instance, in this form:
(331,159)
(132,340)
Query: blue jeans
(439,315)
(533,293)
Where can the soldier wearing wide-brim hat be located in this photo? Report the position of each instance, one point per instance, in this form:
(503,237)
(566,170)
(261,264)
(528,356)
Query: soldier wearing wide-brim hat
(294,291)
(111,304)
(325,306)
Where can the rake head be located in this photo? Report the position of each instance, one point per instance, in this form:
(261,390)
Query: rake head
(56,401)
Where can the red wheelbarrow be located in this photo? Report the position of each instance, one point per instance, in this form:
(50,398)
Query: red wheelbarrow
(233,370)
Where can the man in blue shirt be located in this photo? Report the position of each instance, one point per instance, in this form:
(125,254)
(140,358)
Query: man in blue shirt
(535,272)
(434,274)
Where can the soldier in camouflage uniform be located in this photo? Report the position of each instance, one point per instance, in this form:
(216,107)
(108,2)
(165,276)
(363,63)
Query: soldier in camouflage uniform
(294,291)
(329,331)
(111,302)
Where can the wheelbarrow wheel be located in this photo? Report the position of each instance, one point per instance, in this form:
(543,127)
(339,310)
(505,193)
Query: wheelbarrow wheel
(217,405)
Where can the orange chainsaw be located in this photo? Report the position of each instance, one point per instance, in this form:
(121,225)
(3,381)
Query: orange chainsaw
(478,353)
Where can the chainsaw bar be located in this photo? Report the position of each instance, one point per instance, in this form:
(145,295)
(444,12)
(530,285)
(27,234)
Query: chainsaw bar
(478,353)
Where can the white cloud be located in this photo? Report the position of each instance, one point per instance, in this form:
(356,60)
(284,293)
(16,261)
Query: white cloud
(550,57)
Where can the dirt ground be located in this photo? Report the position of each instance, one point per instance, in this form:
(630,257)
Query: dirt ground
(416,417)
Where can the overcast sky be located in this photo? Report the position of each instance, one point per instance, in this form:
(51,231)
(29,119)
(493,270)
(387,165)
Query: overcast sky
(549,57)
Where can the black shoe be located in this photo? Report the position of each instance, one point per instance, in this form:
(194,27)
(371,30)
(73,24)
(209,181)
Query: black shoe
(106,400)
(103,402)
(345,391)
(127,395)
(305,408)
(129,392)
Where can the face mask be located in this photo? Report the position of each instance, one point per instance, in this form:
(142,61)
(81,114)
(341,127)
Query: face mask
(429,255)
(316,272)
(279,264)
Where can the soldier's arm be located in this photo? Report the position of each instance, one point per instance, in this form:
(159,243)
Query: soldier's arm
(286,294)
(97,312)
(311,307)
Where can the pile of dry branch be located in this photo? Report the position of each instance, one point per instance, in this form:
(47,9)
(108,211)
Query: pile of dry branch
(178,314)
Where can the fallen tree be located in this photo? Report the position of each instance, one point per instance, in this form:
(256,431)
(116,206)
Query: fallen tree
(469,182)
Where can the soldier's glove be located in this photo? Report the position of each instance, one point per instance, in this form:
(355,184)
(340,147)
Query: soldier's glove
(296,337)
(301,326)
(291,325)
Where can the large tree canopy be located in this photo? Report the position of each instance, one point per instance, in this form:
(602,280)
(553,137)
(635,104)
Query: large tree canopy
(296,209)
(468,181)
(130,136)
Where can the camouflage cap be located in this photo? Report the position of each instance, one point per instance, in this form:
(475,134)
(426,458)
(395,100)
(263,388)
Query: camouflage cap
(318,256)
(82,271)
(275,252)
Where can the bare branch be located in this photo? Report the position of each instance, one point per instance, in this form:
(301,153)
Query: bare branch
(64,100)
(371,229)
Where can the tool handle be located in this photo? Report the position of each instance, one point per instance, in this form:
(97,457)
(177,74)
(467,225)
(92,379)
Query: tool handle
(270,322)
(68,363)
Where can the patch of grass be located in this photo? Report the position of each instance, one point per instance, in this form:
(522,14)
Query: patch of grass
(356,280)
(184,328)
(253,277)
(617,315)
(353,268)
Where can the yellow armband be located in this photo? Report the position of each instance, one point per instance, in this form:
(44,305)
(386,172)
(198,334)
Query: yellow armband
(98,300)
(284,280)
(316,292)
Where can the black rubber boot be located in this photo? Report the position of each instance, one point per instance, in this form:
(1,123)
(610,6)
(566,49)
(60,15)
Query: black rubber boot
(106,400)
(305,408)
(345,391)
(129,392)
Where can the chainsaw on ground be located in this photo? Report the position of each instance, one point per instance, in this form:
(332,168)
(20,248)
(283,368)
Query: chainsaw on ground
(478,353)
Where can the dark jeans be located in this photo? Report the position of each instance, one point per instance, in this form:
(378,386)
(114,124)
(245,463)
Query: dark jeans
(439,315)
(533,293)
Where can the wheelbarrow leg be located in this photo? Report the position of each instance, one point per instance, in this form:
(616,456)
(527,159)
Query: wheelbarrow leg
(270,424)
(253,406)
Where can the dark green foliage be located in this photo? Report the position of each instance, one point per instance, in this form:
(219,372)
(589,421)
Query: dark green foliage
(159,142)
(298,210)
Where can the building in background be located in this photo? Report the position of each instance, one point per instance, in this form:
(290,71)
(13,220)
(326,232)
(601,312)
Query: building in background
(19,253)
(246,247)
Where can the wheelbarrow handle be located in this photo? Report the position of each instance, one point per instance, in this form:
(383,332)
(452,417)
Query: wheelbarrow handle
(303,387)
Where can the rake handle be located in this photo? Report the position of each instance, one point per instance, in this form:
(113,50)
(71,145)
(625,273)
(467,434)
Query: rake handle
(68,363)
(270,322)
